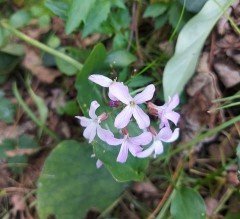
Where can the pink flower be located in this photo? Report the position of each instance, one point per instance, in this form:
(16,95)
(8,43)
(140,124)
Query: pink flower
(104,82)
(121,92)
(92,124)
(165,135)
(132,144)
(166,112)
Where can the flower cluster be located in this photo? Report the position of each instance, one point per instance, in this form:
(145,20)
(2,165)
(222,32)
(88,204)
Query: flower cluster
(120,96)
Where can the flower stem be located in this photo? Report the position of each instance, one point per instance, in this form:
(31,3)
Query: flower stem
(41,46)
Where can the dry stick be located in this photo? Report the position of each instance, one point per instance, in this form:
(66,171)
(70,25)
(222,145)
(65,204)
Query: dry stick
(15,190)
(169,189)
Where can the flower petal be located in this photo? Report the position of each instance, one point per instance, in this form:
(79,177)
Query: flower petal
(111,96)
(90,131)
(141,117)
(164,134)
(123,118)
(146,153)
(123,153)
(99,163)
(172,116)
(134,149)
(167,135)
(173,102)
(174,136)
(121,92)
(84,121)
(107,136)
(158,148)
(143,139)
(100,80)
(93,108)
(145,95)
(163,122)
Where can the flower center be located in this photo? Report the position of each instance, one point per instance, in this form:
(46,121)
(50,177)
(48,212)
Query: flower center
(132,103)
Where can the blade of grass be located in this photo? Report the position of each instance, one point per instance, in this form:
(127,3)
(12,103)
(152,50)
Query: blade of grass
(31,114)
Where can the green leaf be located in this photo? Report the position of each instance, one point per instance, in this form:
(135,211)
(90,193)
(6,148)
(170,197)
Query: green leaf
(120,58)
(7,64)
(64,66)
(98,14)
(59,8)
(140,81)
(7,109)
(193,5)
(160,21)
(20,18)
(155,10)
(79,10)
(70,184)
(134,168)
(187,203)
(71,108)
(190,41)
(18,161)
(40,103)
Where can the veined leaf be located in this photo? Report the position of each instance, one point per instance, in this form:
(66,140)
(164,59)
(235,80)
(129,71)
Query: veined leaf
(181,66)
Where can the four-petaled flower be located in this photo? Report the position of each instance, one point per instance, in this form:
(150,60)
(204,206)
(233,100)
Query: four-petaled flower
(131,144)
(121,92)
(166,112)
(165,135)
(92,124)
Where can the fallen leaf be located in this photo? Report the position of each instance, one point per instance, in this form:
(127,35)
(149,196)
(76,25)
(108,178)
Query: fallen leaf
(33,63)
(228,73)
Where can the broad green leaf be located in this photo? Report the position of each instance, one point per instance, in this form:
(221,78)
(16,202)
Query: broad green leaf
(134,168)
(187,203)
(78,12)
(120,58)
(193,5)
(190,41)
(7,109)
(70,184)
(155,10)
(98,14)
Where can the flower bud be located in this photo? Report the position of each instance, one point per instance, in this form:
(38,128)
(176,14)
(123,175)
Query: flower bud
(124,131)
(152,130)
(152,109)
(103,117)
(113,103)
